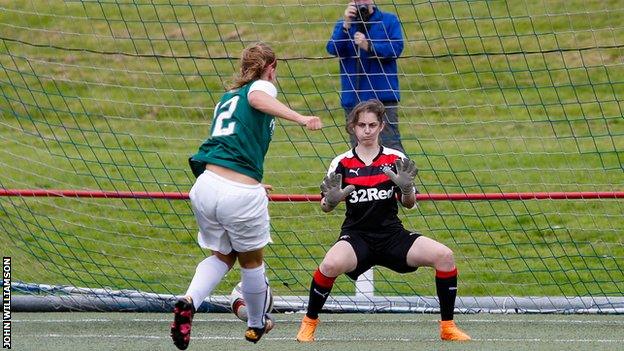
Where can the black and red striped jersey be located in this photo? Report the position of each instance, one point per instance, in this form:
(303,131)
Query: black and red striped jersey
(372,206)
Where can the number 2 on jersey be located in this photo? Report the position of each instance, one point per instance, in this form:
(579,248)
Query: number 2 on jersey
(223,112)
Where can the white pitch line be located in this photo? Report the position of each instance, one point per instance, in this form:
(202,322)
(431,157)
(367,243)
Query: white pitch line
(85,320)
(554,340)
(345,321)
(536,321)
(199,337)
(159,337)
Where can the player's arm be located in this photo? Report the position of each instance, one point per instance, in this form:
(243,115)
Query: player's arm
(332,191)
(262,101)
(404,179)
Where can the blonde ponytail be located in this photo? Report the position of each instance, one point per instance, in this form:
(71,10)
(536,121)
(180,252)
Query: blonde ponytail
(254,60)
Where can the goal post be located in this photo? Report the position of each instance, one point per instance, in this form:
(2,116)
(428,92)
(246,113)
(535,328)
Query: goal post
(512,112)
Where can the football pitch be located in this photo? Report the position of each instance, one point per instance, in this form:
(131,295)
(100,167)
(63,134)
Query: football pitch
(344,332)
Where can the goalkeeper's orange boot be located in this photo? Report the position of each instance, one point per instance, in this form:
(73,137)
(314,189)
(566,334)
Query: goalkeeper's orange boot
(449,331)
(254,334)
(307,329)
(183,312)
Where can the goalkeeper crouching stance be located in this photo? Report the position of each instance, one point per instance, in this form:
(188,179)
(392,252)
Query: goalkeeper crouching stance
(229,202)
(373,179)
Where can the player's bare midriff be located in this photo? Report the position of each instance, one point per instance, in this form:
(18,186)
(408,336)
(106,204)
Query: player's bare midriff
(231,175)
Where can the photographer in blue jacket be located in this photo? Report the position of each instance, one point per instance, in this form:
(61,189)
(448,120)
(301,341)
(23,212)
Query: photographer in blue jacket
(368,42)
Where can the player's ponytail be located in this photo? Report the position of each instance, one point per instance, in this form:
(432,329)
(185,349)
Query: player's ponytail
(254,60)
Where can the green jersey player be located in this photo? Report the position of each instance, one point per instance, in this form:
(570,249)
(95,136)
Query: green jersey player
(240,134)
(228,199)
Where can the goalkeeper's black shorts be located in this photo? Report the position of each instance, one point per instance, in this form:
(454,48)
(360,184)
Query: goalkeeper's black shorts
(380,249)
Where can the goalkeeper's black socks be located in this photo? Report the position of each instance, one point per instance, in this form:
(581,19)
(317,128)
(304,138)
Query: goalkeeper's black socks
(319,291)
(446,286)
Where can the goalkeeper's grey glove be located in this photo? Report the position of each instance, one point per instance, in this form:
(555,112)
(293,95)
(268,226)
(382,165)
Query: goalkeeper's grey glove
(404,177)
(332,189)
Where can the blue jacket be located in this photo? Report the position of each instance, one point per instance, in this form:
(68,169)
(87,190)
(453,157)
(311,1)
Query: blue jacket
(376,76)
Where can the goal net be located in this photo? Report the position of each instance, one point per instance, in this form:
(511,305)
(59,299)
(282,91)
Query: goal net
(511,110)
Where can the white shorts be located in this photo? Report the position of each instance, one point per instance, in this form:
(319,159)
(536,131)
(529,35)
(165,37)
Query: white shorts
(230,215)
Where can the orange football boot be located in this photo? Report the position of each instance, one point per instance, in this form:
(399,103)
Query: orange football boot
(450,332)
(307,329)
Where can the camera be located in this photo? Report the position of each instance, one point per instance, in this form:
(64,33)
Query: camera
(361,13)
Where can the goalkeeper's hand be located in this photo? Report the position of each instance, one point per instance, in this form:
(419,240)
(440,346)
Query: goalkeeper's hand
(332,191)
(404,177)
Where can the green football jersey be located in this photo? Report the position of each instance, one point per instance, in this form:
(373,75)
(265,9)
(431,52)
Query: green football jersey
(239,138)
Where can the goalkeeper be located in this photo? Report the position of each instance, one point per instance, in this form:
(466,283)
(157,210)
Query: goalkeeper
(228,200)
(374,179)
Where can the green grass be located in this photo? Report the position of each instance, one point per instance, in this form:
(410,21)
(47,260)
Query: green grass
(496,97)
(106,331)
